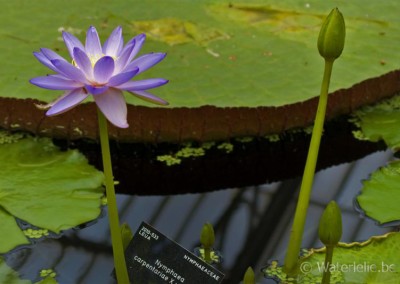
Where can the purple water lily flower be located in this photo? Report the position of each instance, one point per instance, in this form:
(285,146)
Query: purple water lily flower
(102,71)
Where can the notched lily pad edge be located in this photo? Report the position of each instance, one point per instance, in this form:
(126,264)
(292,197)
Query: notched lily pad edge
(36,234)
(206,123)
(274,271)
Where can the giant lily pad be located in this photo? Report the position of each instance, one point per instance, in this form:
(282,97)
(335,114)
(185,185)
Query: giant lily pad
(44,187)
(380,195)
(230,63)
(374,261)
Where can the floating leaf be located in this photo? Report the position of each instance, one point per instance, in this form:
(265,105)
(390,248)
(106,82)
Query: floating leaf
(46,188)
(374,261)
(380,195)
(226,53)
(47,280)
(381,122)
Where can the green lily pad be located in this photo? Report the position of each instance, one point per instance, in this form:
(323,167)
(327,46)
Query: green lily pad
(380,195)
(47,280)
(221,53)
(44,187)
(381,122)
(374,261)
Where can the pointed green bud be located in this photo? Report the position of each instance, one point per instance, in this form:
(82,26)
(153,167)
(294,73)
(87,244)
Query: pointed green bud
(332,34)
(330,225)
(207,237)
(249,276)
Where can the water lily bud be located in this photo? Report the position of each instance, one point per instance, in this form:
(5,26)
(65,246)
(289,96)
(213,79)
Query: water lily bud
(332,34)
(249,276)
(330,225)
(207,237)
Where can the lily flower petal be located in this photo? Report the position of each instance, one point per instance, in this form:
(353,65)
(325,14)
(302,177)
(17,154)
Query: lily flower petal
(69,70)
(50,54)
(55,83)
(139,41)
(82,60)
(121,78)
(146,61)
(146,96)
(71,42)
(92,45)
(113,45)
(45,61)
(142,84)
(112,104)
(122,60)
(68,101)
(44,57)
(103,69)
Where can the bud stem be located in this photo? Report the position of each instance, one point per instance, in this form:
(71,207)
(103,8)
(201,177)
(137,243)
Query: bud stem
(308,176)
(207,255)
(116,238)
(326,278)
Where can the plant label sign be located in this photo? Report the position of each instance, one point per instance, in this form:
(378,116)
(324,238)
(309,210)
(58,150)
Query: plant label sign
(152,257)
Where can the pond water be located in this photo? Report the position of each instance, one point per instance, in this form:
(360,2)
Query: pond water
(252,225)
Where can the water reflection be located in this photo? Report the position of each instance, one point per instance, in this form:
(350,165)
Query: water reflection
(251,224)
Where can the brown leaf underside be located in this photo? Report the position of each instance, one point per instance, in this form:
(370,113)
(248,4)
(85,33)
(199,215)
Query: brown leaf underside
(204,123)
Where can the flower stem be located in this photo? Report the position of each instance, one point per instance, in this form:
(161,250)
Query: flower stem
(326,278)
(308,176)
(116,239)
(207,255)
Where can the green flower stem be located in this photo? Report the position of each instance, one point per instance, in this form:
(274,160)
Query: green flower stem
(308,176)
(207,255)
(116,239)
(326,278)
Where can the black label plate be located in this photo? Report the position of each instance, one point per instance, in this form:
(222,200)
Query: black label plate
(152,257)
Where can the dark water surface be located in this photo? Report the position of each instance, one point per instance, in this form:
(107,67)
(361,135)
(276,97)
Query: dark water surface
(252,225)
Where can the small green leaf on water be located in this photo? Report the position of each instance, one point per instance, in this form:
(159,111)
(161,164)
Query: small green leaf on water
(48,275)
(227,147)
(380,195)
(380,122)
(45,187)
(36,233)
